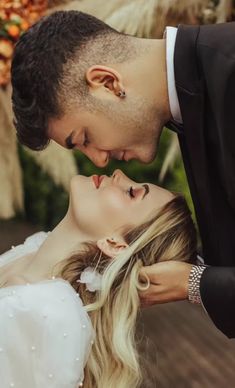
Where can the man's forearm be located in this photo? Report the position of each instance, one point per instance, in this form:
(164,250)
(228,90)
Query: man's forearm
(217,290)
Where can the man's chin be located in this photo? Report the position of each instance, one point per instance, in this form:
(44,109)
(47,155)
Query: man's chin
(143,159)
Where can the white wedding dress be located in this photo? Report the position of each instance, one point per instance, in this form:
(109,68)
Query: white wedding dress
(45,332)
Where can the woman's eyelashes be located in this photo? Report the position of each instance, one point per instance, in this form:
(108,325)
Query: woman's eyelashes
(130,192)
(137,192)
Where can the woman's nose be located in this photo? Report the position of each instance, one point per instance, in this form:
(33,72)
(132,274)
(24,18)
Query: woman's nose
(117,174)
(119,177)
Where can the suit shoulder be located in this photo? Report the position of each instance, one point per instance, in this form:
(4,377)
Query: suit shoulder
(219,37)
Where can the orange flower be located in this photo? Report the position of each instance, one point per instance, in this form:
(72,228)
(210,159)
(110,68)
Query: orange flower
(6,48)
(16,17)
(3,15)
(24,25)
(5,72)
(33,17)
(13,31)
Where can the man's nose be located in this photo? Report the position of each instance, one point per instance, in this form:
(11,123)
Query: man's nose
(99,157)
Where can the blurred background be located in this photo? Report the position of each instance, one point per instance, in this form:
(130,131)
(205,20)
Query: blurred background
(182,348)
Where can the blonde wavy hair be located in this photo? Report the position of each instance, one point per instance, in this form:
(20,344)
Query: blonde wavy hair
(168,235)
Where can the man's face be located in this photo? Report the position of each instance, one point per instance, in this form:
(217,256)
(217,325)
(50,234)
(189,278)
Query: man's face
(101,137)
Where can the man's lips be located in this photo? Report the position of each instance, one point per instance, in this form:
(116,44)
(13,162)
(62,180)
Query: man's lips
(97,180)
(121,157)
(118,155)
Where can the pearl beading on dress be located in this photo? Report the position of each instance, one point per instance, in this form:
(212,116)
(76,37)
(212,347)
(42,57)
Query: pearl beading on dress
(33,348)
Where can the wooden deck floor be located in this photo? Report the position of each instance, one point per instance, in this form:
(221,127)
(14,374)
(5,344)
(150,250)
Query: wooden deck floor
(183,349)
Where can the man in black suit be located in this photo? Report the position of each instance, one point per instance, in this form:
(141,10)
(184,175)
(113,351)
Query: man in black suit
(79,82)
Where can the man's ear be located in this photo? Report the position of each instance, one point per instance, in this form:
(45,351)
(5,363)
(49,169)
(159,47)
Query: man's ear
(104,78)
(111,246)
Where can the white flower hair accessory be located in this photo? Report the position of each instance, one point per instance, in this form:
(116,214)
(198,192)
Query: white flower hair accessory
(91,278)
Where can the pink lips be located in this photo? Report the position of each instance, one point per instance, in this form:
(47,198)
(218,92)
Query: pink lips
(97,180)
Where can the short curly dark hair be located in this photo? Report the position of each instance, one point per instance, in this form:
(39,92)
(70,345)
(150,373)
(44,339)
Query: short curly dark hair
(38,70)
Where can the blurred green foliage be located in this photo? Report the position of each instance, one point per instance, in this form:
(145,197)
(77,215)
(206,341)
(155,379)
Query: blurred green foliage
(46,203)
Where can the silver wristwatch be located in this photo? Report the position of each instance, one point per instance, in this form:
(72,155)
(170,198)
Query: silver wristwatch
(194,283)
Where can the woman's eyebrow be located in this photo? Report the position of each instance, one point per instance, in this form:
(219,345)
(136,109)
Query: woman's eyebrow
(146,190)
(69,141)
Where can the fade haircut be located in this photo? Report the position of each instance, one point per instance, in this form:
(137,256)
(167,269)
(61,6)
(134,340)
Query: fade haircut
(49,65)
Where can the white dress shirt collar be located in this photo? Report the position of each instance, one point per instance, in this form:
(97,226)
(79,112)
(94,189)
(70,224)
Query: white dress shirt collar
(170,35)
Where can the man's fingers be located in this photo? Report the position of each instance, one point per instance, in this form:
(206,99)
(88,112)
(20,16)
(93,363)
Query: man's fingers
(146,275)
(155,294)
(150,291)
(153,291)
(168,281)
(149,273)
(143,275)
(146,270)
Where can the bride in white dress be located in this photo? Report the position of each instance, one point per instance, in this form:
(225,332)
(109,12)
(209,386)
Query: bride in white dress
(69,298)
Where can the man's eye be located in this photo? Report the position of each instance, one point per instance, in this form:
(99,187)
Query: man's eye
(86,141)
(130,192)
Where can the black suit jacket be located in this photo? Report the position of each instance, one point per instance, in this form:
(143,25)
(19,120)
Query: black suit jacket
(204,63)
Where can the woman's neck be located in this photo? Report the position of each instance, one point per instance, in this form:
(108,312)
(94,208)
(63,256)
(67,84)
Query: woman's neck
(60,244)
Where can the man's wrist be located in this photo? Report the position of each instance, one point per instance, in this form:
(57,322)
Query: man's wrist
(196,272)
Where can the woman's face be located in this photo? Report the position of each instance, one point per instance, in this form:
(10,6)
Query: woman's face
(103,206)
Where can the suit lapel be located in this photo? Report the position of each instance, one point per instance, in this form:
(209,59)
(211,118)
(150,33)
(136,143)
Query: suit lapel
(190,91)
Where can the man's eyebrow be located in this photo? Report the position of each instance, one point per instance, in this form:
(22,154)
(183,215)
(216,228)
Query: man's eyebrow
(69,141)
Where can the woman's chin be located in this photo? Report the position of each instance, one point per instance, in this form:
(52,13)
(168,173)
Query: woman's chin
(76,181)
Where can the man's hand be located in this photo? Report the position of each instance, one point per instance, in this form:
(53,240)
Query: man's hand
(169,282)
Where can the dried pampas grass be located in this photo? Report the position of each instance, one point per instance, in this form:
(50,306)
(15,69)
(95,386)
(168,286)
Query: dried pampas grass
(135,18)
(139,17)
(11,193)
(173,153)
(148,19)
(101,9)
(58,162)
(224,10)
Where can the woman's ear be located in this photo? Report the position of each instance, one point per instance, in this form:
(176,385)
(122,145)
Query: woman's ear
(104,78)
(112,246)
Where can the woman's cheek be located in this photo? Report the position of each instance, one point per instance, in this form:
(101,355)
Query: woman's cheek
(115,204)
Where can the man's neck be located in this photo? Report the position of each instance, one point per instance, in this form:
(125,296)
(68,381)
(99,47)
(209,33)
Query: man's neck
(155,70)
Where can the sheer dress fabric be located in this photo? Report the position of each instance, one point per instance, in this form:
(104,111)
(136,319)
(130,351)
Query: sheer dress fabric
(45,332)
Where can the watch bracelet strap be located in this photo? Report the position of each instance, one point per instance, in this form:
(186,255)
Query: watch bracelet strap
(196,272)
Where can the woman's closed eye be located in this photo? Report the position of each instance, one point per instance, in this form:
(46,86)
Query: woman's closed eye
(131,192)
(138,191)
